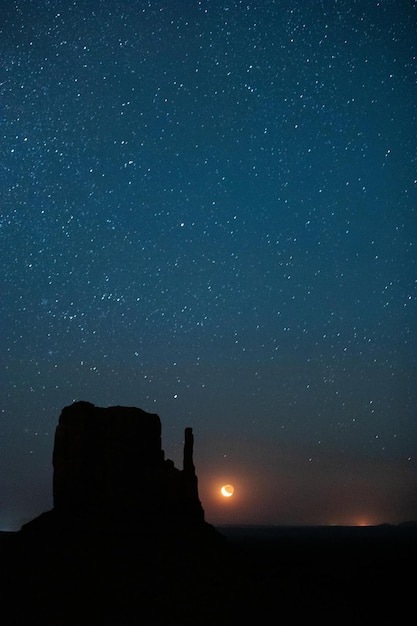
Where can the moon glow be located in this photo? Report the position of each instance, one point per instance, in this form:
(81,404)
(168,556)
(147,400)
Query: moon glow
(227,491)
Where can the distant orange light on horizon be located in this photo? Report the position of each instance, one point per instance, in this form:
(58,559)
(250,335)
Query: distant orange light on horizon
(363,522)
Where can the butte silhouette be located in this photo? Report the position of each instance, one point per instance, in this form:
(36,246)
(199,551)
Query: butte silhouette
(110,472)
(126,538)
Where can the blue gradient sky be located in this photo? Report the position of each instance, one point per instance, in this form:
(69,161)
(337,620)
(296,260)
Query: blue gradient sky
(208,210)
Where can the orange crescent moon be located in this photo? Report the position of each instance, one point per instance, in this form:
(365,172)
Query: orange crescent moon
(227,490)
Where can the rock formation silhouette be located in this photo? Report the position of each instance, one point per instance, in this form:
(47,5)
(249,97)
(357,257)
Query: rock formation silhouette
(109,467)
(126,538)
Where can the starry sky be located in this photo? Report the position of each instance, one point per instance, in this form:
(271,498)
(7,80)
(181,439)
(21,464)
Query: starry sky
(208,210)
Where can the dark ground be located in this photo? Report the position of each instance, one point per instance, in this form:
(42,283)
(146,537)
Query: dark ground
(283,576)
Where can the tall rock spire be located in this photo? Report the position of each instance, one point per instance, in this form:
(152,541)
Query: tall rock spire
(188,463)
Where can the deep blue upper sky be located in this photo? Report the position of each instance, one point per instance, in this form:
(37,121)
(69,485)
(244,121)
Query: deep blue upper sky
(208,210)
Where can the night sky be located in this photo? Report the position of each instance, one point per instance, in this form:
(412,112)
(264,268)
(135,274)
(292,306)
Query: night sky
(208,210)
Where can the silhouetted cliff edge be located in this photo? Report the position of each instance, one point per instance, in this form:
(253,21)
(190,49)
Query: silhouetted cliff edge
(110,471)
(126,538)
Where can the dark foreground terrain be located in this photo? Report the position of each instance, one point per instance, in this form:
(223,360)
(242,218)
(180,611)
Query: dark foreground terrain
(283,576)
